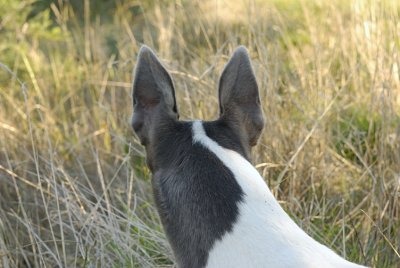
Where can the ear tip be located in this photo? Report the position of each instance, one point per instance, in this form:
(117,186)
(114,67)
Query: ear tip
(241,50)
(145,51)
(241,54)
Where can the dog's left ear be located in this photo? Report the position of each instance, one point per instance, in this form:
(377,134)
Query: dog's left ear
(153,96)
(239,99)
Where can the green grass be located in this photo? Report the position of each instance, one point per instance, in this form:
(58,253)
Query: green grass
(74,188)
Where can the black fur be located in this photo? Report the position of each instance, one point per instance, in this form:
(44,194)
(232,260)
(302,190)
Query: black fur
(197,196)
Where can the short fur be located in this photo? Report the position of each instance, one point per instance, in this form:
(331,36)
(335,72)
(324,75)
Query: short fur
(216,209)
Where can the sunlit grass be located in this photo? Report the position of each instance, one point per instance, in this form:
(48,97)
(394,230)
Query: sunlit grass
(74,188)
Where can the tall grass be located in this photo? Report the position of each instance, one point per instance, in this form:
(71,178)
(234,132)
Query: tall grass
(74,189)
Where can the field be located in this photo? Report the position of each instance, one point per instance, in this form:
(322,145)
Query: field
(74,188)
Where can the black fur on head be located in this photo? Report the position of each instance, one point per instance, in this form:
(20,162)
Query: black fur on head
(196,195)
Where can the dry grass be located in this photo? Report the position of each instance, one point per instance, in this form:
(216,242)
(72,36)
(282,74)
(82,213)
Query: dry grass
(74,189)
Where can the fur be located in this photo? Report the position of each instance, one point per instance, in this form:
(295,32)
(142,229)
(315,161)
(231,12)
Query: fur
(215,208)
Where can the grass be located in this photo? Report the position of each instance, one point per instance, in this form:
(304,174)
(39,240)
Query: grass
(74,188)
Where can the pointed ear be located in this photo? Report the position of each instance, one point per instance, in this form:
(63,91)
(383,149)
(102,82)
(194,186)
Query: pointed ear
(153,95)
(239,99)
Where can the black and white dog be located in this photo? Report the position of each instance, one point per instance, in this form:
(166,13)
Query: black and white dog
(216,209)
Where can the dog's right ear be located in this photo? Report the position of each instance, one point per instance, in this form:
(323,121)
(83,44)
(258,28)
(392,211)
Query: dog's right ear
(153,95)
(239,99)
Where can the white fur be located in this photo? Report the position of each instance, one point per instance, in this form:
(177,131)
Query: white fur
(264,235)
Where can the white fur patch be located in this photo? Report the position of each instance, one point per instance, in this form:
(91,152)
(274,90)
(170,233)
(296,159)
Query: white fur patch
(264,235)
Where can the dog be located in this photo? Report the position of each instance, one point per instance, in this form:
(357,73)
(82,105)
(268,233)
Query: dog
(216,209)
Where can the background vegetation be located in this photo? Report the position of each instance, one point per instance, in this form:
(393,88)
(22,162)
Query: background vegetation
(74,189)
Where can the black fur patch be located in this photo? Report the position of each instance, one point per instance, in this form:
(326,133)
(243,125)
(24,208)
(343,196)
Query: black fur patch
(196,194)
(221,132)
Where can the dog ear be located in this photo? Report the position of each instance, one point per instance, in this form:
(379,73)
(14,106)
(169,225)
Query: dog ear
(153,95)
(239,99)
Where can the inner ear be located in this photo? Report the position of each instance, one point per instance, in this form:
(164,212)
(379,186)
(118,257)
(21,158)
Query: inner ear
(239,98)
(153,95)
